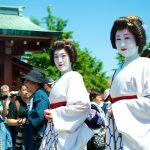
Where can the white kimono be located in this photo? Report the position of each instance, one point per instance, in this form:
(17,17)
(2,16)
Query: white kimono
(68,130)
(130,128)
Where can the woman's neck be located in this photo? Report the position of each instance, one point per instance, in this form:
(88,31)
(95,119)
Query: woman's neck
(68,70)
(131,58)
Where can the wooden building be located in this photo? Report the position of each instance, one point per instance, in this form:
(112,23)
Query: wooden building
(17,35)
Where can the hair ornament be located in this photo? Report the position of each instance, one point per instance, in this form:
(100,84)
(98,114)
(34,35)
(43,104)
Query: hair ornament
(67,42)
(130,24)
(132,18)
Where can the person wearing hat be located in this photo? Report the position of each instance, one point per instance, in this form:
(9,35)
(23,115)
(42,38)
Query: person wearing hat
(48,84)
(39,101)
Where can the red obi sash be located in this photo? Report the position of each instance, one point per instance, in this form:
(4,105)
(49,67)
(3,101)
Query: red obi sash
(55,105)
(130,97)
(58,104)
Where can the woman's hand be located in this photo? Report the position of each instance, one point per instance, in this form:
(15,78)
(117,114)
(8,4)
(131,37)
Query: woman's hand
(47,114)
(21,121)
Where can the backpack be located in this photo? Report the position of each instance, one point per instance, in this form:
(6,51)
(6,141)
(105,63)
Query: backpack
(96,143)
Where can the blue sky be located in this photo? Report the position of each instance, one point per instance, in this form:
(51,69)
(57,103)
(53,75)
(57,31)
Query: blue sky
(90,20)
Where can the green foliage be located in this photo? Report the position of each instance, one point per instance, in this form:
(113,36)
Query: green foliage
(147,46)
(146,51)
(89,67)
(35,21)
(91,70)
(42,60)
(56,24)
(120,58)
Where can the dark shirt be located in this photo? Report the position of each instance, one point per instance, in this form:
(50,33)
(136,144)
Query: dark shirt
(13,113)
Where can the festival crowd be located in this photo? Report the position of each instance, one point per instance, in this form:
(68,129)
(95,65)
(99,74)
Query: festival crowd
(43,114)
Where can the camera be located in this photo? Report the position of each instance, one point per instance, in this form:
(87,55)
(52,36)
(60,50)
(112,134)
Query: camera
(3,97)
(13,94)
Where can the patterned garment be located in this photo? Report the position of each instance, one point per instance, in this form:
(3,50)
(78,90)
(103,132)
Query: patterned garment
(5,136)
(19,137)
(50,139)
(114,138)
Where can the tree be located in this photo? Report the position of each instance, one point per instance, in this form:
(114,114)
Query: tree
(91,69)
(146,51)
(56,24)
(120,58)
(88,66)
(35,21)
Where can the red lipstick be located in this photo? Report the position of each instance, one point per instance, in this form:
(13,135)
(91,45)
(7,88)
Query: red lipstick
(123,49)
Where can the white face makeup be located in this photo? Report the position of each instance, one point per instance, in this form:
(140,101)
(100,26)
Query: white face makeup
(125,43)
(62,61)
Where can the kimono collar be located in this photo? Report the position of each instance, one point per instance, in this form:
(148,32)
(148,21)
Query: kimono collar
(131,58)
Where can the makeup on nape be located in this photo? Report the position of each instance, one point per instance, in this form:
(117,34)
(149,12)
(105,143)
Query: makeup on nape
(126,44)
(62,61)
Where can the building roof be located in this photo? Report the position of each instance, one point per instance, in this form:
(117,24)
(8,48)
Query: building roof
(12,22)
(23,64)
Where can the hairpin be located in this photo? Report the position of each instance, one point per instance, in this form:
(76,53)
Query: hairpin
(132,18)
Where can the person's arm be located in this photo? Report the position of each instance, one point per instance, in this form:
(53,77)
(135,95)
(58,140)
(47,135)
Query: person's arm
(12,117)
(40,103)
(15,122)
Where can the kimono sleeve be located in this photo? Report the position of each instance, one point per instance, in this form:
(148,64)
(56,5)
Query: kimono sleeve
(134,114)
(145,80)
(70,117)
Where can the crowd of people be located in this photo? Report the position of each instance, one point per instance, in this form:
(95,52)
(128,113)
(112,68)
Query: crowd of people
(44,114)
(22,112)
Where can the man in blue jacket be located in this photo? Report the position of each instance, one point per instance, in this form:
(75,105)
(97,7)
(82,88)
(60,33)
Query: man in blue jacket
(38,103)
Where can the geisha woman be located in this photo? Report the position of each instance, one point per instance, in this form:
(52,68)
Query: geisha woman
(129,119)
(70,104)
